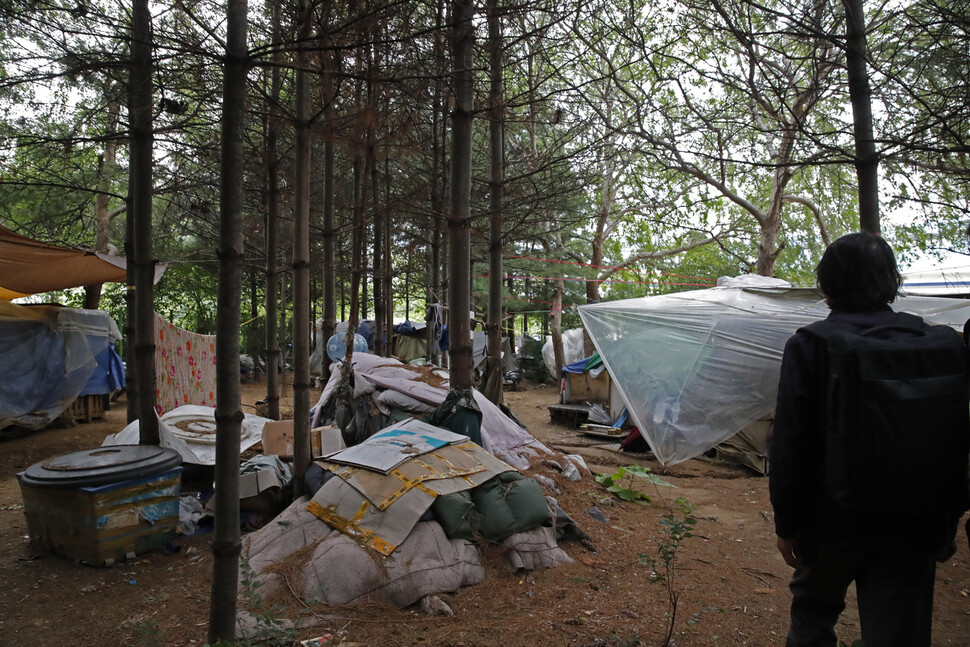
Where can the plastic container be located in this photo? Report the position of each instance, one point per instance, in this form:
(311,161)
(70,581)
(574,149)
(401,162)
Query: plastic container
(104,505)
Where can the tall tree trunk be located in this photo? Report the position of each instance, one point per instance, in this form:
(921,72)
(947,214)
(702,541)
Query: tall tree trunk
(866,160)
(510,314)
(386,273)
(329,226)
(140,113)
(102,217)
(273,227)
(556,321)
(373,89)
(459,216)
(132,389)
(436,189)
(229,415)
(493,379)
(329,241)
(770,221)
(301,261)
(252,341)
(357,279)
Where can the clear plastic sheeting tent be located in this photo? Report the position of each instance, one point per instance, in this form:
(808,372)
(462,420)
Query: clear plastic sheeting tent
(696,367)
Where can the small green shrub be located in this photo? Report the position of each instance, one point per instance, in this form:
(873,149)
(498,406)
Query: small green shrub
(620,483)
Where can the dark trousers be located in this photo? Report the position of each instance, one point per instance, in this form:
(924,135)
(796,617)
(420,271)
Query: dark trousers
(894,578)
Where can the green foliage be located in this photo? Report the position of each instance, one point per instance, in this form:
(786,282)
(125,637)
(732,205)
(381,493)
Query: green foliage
(271,626)
(621,483)
(186,296)
(675,527)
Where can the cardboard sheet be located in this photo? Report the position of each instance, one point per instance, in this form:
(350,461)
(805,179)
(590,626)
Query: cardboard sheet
(379,509)
(390,447)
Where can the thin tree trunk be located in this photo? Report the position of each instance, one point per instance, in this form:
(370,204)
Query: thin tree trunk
(493,379)
(301,261)
(329,227)
(459,238)
(140,111)
(866,160)
(379,312)
(388,283)
(357,279)
(273,229)
(510,315)
(329,241)
(131,376)
(436,189)
(556,318)
(229,415)
(102,217)
(252,340)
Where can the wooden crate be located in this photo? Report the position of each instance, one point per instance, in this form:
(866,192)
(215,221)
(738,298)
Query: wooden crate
(85,408)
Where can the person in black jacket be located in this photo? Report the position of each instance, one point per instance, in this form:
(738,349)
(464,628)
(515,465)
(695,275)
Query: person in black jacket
(892,561)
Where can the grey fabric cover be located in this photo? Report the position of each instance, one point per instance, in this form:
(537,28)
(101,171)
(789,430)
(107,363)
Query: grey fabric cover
(340,571)
(534,549)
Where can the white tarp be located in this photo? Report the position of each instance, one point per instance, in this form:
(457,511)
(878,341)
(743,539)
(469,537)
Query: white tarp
(942,282)
(696,367)
(191,431)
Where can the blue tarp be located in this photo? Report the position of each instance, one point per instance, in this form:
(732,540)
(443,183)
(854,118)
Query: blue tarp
(582,365)
(49,355)
(108,376)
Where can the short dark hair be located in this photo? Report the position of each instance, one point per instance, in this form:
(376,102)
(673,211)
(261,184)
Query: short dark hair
(858,272)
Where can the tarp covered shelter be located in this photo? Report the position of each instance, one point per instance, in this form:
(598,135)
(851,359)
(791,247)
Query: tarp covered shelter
(29,266)
(51,355)
(386,389)
(697,367)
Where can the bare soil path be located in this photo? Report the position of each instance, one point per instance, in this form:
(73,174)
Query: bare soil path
(730,583)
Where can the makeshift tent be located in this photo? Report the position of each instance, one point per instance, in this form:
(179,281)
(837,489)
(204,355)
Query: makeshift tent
(572,349)
(418,496)
(696,367)
(29,266)
(51,355)
(588,383)
(949,282)
(410,341)
(386,390)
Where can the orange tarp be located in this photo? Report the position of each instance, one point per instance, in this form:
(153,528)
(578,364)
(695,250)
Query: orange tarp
(29,266)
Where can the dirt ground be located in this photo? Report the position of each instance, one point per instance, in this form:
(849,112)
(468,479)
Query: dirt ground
(730,584)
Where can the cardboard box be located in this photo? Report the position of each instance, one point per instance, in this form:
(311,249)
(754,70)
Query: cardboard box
(259,491)
(330,439)
(278,439)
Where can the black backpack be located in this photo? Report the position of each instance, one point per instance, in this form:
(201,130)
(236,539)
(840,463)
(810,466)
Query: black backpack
(897,423)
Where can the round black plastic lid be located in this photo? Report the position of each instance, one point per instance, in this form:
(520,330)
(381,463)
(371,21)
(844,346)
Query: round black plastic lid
(101,465)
